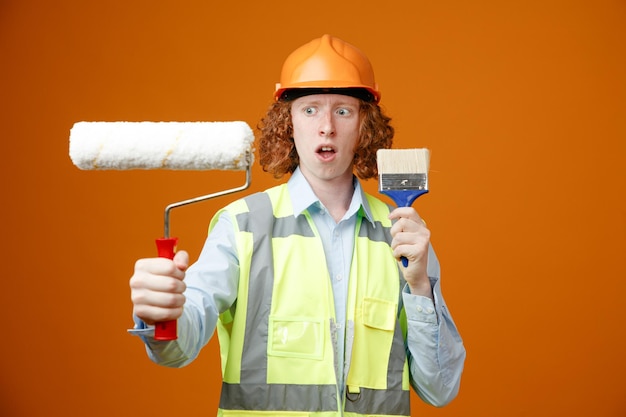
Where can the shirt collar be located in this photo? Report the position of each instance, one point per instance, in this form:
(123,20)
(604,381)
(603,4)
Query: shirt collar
(303,197)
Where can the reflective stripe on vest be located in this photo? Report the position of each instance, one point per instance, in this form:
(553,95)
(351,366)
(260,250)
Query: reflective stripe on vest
(269,350)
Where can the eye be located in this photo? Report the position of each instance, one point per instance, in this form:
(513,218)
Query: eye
(310,110)
(343,111)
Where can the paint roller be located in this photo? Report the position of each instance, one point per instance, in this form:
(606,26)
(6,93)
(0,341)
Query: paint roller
(165,145)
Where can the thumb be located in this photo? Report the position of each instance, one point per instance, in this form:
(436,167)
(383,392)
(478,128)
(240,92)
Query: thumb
(181,260)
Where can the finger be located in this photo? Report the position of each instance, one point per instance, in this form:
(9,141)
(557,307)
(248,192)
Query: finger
(181,260)
(404,212)
(161,266)
(163,284)
(160,299)
(153,314)
(143,280)
(404,225)
(415,235)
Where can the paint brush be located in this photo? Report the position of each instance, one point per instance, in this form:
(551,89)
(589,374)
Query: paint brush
(403,176)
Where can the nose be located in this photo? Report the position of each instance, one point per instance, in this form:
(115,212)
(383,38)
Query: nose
(327,125)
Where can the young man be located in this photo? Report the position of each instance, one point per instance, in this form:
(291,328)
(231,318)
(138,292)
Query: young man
(313,310)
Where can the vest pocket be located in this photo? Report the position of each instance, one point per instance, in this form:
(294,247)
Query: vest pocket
(379,314)
(296,337)
(373,338)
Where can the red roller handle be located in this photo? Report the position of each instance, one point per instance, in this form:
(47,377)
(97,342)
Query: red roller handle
(166,330)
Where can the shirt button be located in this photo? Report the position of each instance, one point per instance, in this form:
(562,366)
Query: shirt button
(420,309)
(430,310)
(339,277)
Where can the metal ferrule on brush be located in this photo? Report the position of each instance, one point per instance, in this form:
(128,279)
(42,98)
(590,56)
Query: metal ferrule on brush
(403,182)
(403,189)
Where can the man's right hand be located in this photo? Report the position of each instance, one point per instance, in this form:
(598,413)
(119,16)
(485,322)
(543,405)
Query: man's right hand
(157,286)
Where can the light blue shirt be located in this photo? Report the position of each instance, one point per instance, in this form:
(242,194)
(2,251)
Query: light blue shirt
(434,348)
(338,242)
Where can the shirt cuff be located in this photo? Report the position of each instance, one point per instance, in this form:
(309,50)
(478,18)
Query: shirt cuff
(418,307)
(141,329)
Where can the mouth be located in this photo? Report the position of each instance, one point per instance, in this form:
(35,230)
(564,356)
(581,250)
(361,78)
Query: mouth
(326,152)
(326,149)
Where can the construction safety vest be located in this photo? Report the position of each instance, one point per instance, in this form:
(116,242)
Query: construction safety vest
(278,341)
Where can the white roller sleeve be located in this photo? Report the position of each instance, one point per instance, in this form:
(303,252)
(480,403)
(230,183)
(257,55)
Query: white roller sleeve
(161,145)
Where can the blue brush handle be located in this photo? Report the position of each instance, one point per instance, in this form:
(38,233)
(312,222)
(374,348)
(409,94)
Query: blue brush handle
(404,198)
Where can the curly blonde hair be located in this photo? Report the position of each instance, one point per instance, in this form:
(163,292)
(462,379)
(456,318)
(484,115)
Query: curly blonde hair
(277,151)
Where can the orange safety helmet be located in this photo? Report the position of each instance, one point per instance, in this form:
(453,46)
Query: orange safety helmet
(326,65)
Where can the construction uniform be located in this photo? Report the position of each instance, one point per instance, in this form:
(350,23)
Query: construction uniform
(280,345)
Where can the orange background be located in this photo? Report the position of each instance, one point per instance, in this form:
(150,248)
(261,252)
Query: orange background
(523,104)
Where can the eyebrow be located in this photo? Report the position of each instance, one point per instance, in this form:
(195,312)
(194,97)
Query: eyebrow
(317,101)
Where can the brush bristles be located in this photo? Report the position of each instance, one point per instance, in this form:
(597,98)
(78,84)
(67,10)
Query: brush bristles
(403,161)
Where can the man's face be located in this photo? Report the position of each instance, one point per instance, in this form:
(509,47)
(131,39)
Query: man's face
(325,132)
